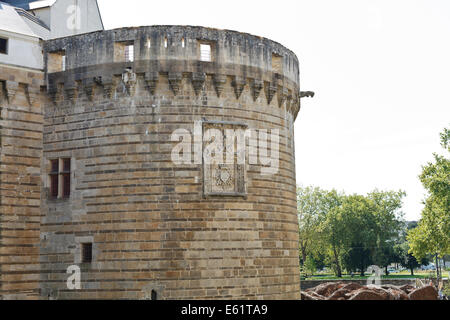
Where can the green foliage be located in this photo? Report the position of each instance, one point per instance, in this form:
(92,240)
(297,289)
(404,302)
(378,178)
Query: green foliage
(406,259)
(312,208)
(348,230)
(310,265)
(432,235)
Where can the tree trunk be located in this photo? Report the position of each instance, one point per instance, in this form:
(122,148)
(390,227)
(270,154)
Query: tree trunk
(303,249)
(336,260)
(437,267)
(386,270)
(412,271)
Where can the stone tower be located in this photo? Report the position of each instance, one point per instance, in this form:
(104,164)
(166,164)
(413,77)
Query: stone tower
(119,106)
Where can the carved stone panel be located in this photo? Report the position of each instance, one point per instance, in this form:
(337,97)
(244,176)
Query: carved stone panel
(224,172)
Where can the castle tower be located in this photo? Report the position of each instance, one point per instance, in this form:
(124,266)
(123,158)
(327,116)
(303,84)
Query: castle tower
(129,118)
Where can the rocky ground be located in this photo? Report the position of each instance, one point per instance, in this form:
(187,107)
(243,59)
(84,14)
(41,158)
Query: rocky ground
(354,291)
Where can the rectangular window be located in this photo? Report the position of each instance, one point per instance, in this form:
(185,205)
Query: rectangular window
(65,176)
(124,51)
(129,53)
(59,177)
(205,52)
(54,180)
(86,252)
(63,63)
(3,45)
(56,61)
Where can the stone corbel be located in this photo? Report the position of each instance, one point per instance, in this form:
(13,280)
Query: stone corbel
(32,94)
(198,81)
(151,81)
(109,86)
(11,89)
(71,90)
(2,91)
(219,83)
(271,90)
(89,86)
(256,86)
(175,81)
(238,84)
(289,101)
(53,91)
(282,95)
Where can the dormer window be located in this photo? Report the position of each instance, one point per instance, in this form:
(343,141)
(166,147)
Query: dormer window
(3,46)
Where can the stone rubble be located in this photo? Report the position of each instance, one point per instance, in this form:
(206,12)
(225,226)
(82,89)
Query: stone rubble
(354,291)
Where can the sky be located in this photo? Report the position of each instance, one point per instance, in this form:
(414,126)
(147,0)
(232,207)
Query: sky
(380,70)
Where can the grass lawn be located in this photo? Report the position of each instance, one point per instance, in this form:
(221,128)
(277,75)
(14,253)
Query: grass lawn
(418,274)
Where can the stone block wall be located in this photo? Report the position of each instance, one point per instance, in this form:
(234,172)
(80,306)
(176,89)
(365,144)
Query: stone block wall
(158,228)
(21,132)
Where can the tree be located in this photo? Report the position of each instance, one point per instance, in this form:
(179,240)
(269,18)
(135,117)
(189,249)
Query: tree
(332,229)
(407,260)
(432,235)
(310,265)
(358,213)
(388,225)
(311,211)
(358,257)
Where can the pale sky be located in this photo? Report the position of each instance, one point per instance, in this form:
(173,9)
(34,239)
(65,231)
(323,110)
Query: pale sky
(380,70)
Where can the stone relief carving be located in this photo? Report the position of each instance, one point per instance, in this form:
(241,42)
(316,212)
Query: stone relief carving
(223,178)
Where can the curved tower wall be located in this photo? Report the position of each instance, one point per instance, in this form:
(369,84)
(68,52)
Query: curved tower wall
(187,230)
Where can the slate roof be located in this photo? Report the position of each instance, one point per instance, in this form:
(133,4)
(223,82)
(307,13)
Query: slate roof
(12,20)
(30,5)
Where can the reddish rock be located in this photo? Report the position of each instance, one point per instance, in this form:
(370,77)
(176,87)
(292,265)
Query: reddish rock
(424,293)
(398,294)
(309,296)
(364,294)
(317,296)
(339,294)
(352,286)
(385,294)
(327,289)
(407,288)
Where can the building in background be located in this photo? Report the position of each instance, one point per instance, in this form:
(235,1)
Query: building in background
(24,28)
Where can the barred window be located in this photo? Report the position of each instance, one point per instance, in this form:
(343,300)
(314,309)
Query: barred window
(205,52)
(129,53)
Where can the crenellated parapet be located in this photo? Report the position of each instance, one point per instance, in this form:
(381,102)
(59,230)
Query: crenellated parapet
(99,65)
